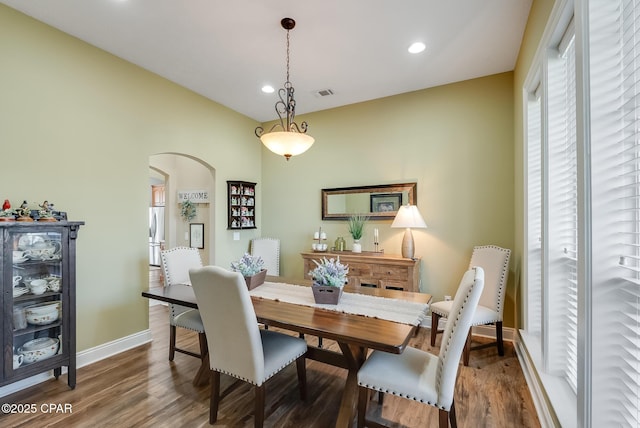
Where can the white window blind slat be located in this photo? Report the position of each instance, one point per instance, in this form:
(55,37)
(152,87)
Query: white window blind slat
(614,43)
(560,282)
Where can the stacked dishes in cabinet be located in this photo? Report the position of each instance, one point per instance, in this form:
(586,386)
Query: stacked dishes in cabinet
(37,295)
(33,325)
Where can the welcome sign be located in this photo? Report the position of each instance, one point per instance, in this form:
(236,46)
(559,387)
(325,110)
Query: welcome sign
(195,196)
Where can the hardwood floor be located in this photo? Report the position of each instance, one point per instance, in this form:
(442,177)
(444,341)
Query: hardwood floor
(141,388)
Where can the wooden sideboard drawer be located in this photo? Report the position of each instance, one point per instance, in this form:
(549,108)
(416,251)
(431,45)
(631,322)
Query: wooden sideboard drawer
(391,272)
(360,269)
(393,285)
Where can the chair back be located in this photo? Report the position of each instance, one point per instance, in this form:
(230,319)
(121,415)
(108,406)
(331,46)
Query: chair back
(455,333)
(495,263)
(176,263)
(230,323)
(269,250)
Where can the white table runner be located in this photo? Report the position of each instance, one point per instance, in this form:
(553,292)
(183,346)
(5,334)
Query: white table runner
(401,311)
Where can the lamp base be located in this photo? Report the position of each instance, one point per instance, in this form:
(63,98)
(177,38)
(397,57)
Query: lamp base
(407,244)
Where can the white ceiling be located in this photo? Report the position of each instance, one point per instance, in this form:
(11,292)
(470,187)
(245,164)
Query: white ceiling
(227,50)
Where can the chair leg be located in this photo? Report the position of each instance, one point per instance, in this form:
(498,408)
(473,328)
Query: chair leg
(202,339)
(363,398)
(302,377)
(443,418)
(499,338)
(319,342)
(214,400)
(452,415)
(172,342)
(259,412)
(467,350)
(380,398)
(435,318)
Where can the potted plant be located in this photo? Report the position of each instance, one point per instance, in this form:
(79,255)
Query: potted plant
(329,278)
(252,268)
(356,228)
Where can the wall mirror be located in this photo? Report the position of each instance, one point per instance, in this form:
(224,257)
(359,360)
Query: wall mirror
(378,202)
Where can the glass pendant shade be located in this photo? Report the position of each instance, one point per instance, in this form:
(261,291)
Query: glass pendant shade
(292,140)
(287,144)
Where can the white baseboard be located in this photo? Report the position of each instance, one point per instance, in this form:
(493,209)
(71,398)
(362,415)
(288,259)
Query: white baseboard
(540,401)
(85,358)
(106,350)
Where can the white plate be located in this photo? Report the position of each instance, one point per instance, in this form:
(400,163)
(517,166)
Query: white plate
(19,291)
(26,241)
(20,260)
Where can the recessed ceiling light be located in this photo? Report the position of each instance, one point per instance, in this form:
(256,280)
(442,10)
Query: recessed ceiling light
(416,47)
(268,89)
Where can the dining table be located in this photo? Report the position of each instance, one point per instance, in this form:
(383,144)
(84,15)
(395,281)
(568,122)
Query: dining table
(355,334)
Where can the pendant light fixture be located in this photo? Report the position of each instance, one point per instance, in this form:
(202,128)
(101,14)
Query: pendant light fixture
(286,138)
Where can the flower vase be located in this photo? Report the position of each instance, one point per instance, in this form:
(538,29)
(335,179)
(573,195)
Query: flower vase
(326,294)
(357,247)
(255,280)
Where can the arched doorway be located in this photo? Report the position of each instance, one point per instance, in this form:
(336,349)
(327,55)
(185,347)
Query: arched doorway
(182,172)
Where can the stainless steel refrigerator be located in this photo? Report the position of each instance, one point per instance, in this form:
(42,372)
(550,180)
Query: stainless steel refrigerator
(156,234)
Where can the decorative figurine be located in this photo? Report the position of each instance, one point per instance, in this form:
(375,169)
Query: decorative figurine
(45,213)
(6,214)
(24,213)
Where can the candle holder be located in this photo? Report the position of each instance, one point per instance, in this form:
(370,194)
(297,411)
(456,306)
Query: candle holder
(376,241)
(319,246)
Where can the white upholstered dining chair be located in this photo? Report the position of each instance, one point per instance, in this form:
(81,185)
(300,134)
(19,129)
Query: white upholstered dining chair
(495,262)
(237,347)
(176,263)
(269,250)
(419,375)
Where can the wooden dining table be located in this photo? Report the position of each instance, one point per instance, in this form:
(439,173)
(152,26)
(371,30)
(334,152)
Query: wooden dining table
(354,334)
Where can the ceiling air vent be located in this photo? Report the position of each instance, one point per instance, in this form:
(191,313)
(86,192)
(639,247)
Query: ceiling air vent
(323,93)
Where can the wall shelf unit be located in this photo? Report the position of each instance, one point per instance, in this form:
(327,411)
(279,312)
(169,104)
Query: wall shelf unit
(241,202)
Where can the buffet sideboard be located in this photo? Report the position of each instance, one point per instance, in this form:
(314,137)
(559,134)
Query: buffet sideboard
(371,269)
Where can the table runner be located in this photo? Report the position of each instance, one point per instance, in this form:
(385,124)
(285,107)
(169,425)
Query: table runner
(401,311)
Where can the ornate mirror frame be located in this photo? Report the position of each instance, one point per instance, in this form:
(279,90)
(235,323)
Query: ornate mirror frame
(382,200)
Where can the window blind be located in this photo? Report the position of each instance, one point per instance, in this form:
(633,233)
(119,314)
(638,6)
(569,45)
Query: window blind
(534,213)
(614,34)
(560,279)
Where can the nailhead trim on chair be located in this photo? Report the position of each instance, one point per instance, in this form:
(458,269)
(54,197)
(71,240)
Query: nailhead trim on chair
(503,277)
(166,273)
(447,345)
(501,289)
(440,364)
(267,377)
(397,394)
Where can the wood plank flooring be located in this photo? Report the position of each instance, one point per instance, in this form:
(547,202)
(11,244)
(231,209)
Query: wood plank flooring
(141,388)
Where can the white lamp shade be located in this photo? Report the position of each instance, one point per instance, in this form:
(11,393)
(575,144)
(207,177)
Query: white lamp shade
(409,217)
(287,144)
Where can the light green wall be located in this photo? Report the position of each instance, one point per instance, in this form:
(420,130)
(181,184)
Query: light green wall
(77,127)
(455,141)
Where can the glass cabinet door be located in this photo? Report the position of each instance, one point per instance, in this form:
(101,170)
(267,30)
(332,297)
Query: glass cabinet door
(38,290)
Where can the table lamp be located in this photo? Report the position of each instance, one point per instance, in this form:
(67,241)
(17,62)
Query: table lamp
(408,217)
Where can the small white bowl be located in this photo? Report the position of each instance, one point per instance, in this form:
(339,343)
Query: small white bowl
(42,314)
(39,349)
